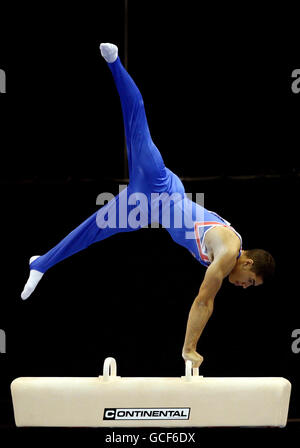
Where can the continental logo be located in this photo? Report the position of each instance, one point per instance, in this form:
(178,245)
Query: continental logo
(146,414)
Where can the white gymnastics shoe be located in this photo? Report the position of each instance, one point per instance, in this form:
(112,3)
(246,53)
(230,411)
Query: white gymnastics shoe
(32,282)
(109,52)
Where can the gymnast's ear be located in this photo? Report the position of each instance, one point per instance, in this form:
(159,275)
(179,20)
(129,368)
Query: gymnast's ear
(248,262)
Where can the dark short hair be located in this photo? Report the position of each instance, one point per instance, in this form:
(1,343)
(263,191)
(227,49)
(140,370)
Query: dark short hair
(264,263)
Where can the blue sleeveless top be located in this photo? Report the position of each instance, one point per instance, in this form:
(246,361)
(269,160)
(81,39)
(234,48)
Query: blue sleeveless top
(196,222)
(212,220)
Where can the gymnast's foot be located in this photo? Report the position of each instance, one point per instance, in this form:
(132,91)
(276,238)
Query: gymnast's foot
(34,277)
(109,52)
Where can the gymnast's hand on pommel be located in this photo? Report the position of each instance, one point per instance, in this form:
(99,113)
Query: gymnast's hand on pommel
(192,355)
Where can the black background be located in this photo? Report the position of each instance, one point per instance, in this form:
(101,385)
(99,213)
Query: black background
(216,84)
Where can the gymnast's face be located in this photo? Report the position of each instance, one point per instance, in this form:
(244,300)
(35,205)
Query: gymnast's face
(241,275)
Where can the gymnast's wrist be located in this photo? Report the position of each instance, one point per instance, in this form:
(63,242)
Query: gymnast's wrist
(188,349)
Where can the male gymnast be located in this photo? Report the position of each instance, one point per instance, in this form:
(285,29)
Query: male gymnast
(214,243)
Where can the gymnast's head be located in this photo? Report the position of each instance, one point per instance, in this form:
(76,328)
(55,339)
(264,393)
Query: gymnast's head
(253,268)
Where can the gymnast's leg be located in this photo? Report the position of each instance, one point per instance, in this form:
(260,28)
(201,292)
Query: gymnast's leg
(147,171)
(92,230)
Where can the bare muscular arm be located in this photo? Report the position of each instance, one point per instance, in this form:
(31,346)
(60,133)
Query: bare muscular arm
(202,307)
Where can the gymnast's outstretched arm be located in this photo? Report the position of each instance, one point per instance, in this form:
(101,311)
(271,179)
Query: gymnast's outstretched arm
(203,305)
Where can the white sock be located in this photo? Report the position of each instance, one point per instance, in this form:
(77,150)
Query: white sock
(109,52)
(34,278)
